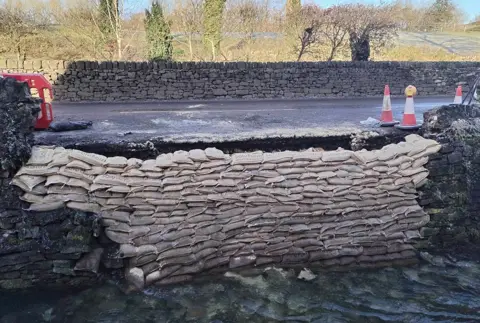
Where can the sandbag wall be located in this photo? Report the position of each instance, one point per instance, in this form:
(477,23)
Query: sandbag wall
(190,212)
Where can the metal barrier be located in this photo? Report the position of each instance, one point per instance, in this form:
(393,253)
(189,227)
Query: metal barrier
(39,83)
(472,93)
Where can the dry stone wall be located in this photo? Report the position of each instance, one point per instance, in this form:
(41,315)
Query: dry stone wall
(130,81)
(36,248)
(186,213)
(452,195)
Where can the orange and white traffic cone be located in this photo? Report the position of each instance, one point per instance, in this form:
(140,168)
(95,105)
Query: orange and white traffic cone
(458,96)
(409,121)
(386,119)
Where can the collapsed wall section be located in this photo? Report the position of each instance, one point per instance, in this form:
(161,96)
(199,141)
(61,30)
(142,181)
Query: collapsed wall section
(187,213)
(36,248)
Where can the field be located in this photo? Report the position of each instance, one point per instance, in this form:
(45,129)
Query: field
(408,46)
(453,46)
(263,47)
(458,43)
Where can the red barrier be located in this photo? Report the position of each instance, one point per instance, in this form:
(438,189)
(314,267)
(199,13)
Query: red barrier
(41,84)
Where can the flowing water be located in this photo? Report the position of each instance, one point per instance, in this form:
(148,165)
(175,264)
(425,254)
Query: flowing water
(423,293)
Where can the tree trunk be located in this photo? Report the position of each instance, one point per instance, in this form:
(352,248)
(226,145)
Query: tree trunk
(360,47)
(332,54)
(300,53)
(214,54)
(119,48)
(190,47)
(19,52)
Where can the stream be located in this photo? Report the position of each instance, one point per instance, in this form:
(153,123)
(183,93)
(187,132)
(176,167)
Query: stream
(421,293)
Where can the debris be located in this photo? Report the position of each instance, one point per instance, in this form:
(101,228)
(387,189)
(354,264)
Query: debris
(58,126)
(372,122)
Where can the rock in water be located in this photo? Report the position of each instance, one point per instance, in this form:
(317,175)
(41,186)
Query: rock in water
(90,262)
(306,274)
(433,260)
(135,277)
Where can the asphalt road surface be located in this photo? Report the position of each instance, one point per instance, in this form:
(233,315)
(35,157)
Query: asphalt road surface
(189,120)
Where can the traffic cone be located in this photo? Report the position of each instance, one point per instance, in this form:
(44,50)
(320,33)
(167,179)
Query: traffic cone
(386,119)
(409,121)
(458,96)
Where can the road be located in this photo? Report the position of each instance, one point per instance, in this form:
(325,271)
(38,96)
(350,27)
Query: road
(189,120)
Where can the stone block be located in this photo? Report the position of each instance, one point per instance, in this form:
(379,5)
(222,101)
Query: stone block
(468,151)
(21,258)
(15,284)
(325,91)
(64,267)
(241,92)
(80,65)
(29,233)
(78,241)
(447,148)
(455,158)
(219,92)
(11,243)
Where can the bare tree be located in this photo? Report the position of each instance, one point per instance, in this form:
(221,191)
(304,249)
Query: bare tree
(246,17)
(189,17)
(442,15)
(367,24)
(105,36)
(78,26)
(18,24)
(332,30)
(305,26)
(109,22)
(410,17)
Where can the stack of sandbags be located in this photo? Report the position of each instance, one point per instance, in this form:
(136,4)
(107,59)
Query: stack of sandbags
(56,177)
(190,212)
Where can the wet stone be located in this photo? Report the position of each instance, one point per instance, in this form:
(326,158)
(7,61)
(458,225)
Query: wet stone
(455,158)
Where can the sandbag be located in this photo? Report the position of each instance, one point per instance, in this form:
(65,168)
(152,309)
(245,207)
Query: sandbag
(89,158)
(182,157)
(41,155)
(214,153)
(45,207)
(28,181)
(117,161)
(40,170)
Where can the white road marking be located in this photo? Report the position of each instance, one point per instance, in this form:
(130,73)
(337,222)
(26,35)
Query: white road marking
(195,106)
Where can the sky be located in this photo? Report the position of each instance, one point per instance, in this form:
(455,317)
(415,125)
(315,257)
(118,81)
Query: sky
(470,7)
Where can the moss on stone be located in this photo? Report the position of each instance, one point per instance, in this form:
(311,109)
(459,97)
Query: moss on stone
(15,284)
(12,240)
